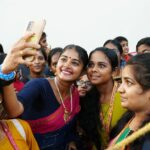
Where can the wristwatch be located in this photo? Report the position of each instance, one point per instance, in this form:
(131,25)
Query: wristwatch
(7,77)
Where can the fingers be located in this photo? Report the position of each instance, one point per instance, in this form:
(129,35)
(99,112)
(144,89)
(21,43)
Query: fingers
(32,45)
(25,37)
(27,63)
(24,43)
(19,51)
(28,52)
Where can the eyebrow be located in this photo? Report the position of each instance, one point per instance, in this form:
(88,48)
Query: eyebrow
(101,62)
(128,78)
(71,58)
(146,50)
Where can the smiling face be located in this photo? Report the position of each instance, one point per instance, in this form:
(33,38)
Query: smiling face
(99,69)
(69,66)
(132,95)
(38,64)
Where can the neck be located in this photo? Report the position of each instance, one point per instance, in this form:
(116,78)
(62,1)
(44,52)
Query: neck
(64,87)
(137,121)
(105,91)
(37,75)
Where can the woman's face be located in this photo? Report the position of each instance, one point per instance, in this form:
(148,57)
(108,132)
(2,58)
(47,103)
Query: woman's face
(125,47)
(69,66)
(38,64)
(132,95)
(84,85)
(112,46)
(143,49)
(54,61)
(99,69)
(43,42)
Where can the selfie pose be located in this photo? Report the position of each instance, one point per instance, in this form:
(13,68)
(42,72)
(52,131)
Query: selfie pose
(50,105)
(15,134)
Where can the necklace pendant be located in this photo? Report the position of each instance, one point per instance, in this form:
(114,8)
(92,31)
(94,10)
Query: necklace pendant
(66,115)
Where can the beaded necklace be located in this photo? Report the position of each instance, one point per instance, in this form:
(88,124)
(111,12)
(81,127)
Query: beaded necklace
(67,113)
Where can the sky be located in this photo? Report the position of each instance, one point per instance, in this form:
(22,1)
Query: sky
(88,23)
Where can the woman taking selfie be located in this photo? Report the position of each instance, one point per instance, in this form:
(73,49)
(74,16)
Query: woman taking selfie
(50,105)
(15,134)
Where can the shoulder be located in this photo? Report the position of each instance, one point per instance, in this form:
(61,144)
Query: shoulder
(21,122)
(38,83)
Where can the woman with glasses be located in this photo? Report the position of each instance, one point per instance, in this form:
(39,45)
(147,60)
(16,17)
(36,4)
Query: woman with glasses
(83,85)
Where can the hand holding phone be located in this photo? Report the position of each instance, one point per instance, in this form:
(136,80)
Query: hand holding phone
(37,28)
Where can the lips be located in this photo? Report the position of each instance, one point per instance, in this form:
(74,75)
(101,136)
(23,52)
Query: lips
(37,67)
(83,91)
(123,99)
(66,72)
(94,77)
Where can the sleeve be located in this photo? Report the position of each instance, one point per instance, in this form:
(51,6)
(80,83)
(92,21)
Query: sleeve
(31,142)
(29,93)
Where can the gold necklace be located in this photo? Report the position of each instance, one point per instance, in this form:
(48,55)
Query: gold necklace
(106,125)
(66,112)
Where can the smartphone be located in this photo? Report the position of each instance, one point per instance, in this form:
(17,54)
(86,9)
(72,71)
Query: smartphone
(36,27)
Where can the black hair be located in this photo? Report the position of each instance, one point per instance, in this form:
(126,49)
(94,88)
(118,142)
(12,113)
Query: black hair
(42,50)
(43,35)
(115,43)
(1,49)
(143,41)
(81,52)
(2,57)
(120,39)
(141,69)
(53,52)
(111,55)
(89,116)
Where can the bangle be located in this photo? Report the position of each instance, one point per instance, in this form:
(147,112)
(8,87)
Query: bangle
(7,77)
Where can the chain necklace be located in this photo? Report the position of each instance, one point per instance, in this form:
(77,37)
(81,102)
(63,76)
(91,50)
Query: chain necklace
(66,112)
(106,125)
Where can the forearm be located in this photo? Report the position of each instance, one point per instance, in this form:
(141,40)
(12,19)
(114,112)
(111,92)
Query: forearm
(12,106)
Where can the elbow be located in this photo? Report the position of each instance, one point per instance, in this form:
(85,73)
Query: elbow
(15,113)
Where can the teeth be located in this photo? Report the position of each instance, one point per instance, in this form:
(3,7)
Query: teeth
(66,72)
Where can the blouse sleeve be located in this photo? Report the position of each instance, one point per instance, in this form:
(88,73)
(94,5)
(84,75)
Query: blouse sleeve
(30,92)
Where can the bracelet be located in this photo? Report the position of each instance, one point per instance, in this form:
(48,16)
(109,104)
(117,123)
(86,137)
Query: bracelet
(7,77)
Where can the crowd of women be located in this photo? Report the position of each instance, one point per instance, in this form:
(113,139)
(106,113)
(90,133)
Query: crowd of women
(93,102)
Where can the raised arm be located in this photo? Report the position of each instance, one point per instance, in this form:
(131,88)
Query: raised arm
(13,59)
